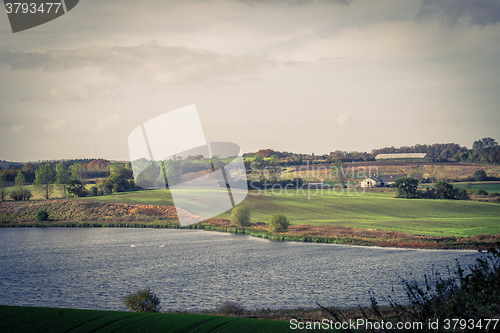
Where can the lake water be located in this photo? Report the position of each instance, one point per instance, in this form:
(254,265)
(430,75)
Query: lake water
(92,268)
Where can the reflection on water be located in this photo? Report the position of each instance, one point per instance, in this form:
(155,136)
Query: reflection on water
(92,268)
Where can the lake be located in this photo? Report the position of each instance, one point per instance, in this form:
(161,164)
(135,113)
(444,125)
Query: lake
(93,268)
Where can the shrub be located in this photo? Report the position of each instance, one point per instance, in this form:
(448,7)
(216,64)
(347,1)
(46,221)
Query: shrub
(142,301)
(20,194)
(42,215)
(230,308)
(494,194)
(241,216)
(278,223)
(479,192)
(480,175)
(76,188)
(94,191)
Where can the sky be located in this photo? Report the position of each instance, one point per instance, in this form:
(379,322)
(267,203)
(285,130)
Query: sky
(306,76)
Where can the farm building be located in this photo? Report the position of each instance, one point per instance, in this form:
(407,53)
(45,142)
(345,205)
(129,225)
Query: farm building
(371,182)
(402,156)
(381,180)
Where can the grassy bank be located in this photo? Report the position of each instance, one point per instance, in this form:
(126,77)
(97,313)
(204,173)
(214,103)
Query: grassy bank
(372,210)
(30,319)
(79,213)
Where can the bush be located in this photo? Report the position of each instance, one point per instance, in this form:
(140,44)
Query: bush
(42,215)
(278,223)
(20,194)
(94,191)
(479,192)
(494,194)
(480,175)
(241,216)
(230,308)
(76,188)
(142,301)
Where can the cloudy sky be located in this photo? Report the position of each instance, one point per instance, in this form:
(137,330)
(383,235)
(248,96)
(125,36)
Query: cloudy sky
(298,75)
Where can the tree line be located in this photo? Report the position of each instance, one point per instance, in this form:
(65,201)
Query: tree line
(70,180)
(484,151)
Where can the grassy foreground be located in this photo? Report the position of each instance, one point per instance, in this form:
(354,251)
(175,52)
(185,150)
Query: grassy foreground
(30,319)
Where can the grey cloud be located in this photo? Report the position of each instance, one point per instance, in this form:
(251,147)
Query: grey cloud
(473,12)
(150,62)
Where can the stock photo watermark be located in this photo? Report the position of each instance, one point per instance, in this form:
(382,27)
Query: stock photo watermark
(27,14)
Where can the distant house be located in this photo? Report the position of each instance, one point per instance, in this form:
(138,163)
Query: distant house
(381,180)
(372,182)
(401,156)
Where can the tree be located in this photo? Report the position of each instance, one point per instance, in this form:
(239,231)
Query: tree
(241,216)
(340,175)
(274,167)
(3,185)
(78,171)
(444,190)
(19,192)
(278,223)
(76,188)
(44,179)
(20,179)
(63,176)
(406,187)
(142,301)
(119,175)
(480,175)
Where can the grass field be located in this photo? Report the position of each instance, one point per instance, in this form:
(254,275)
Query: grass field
(488,187)
(372,210)
(28,319)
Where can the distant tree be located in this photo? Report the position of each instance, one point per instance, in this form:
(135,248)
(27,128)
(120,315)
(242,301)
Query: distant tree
(444,190)
(406,187)
(173,172)
(3,185)
(20,179)
(94,191)
(19,192)
(339,173)
(28,170)
(63,176)
(44,179)
(241,216)
(480,175)
(274,167)
(78,171)
(76,188)
(484,143)
(278,223)
(258,166)
(119,176)
(142,301)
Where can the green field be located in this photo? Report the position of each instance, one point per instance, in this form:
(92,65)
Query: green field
(28,319)
(490,188)
(485,186)
(372,210)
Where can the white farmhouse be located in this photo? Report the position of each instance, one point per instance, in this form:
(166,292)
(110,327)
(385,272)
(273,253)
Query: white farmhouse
(371,182)
(381,180)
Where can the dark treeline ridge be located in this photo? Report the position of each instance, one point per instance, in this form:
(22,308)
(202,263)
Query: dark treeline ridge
(484,151)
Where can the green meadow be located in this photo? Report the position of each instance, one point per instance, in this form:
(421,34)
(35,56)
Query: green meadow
(371,210)
(29,319)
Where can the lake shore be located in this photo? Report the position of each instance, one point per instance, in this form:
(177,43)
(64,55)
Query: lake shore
(74,213)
